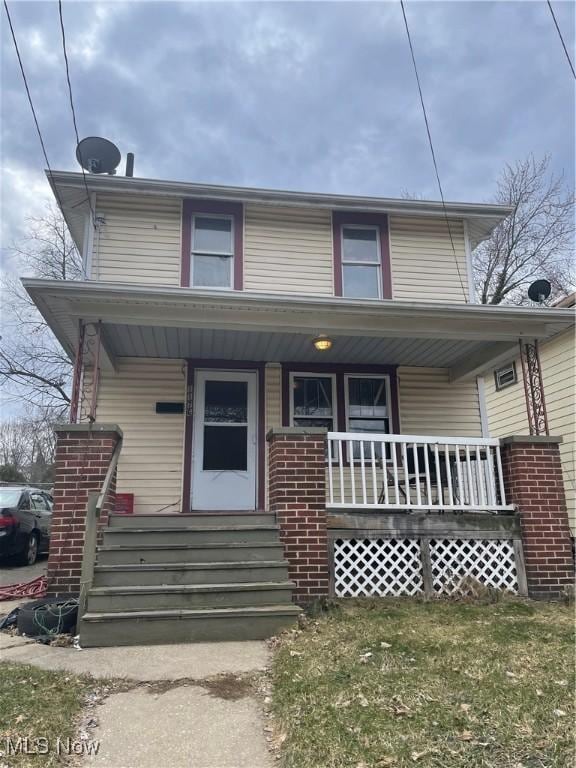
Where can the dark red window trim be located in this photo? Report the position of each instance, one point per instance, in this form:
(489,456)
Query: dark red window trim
(231,365)
(341,370)
(236,210)
(380,220)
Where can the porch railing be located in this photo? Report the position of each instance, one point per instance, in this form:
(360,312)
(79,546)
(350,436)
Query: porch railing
(404,472)
(94,507)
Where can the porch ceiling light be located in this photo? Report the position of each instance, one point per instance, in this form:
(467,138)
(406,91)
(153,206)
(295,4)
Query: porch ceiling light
(322,343)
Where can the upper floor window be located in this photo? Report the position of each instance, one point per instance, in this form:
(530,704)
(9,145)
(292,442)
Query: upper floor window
(212,244)
(361,255)
(212,251)
(361,264)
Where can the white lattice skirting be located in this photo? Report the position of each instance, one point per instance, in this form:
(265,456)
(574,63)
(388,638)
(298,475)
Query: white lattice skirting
(393,567)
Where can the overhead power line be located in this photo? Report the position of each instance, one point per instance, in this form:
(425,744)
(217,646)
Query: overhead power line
(71,98)
(561,39)
(29,95)
(432,150)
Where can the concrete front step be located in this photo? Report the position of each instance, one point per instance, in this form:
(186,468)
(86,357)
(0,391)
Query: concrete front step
(181,626)
(188,596)
(117,554)
(190,573)
(195,519)
(191,535)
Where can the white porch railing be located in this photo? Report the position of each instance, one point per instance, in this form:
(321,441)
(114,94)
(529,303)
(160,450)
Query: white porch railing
(401,472)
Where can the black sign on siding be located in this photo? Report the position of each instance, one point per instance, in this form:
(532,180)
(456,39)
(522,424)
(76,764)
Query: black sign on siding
(169,407)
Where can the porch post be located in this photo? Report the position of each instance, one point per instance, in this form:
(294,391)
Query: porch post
(297,495)
(83,453)
(533,482)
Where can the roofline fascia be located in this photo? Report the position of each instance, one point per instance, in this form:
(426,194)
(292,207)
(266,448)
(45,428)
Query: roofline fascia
(124,184)
(388,307)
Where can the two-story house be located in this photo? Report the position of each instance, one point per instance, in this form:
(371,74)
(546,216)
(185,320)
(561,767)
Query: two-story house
(210,315)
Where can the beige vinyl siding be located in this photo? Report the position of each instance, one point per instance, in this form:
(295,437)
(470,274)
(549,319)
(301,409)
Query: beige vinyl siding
(288,250)
(138,241)
(273,405)
(506,408)
(557,359)
(422,260)
(431,405)
(151,459)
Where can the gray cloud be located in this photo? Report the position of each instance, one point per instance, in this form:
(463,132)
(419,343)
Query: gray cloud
(312,96)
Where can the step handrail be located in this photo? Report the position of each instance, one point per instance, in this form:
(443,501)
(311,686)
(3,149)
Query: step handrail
(94,507)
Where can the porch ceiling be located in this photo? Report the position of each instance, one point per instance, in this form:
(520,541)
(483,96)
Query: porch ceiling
(141,341)
(145,321)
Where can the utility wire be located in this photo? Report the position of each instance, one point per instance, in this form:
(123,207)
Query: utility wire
(466,297)
(40,137)
(71,98)
(561,39)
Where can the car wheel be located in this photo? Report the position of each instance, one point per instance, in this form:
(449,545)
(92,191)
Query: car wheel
(30,552)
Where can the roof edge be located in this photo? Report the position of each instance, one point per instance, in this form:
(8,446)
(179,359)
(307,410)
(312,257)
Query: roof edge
(127,184)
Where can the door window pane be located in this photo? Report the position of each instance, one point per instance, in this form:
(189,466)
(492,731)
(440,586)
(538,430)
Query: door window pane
(212,271)
(226,401)
(225,448)
(212,235)
(360,245)
(361,282)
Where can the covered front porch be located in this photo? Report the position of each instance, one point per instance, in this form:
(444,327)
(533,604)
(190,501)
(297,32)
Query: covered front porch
(196,379)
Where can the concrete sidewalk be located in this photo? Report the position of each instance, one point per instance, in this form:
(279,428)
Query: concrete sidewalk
(196,719)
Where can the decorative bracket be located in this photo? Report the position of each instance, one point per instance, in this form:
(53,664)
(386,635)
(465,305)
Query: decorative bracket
(533,388)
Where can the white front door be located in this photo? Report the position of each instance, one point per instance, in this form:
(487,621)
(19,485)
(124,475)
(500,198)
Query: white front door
(224,446)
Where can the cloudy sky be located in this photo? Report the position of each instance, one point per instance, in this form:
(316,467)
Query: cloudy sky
(296,95)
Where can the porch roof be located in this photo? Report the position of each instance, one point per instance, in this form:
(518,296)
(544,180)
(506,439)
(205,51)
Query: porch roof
(146,321)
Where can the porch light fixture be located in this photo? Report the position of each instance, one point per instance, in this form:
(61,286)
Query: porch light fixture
(322,343)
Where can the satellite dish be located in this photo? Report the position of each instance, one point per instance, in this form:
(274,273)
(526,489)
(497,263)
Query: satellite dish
(539,291)
(98,155)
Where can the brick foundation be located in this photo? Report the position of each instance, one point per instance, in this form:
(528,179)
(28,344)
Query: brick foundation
(297,495)
(533,481)
(83,453)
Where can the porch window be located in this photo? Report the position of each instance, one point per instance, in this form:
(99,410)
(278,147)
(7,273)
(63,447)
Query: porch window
(212,251)
(367,407)
(361,263)
(312,401)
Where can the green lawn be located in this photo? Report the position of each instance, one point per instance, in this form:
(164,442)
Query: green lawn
(383,683)
(39,711)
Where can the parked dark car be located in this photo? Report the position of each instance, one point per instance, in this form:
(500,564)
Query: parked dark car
(25,521)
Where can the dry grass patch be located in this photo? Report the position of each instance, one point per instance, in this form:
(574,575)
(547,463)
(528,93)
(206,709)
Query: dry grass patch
(393,683)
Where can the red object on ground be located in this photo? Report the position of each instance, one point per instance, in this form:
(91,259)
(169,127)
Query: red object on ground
(34,588)
(124,504)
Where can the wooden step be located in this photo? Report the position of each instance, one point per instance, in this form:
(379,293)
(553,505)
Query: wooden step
(162,536)
(188,596)
(118,554)
(190,573)
(193,519)
(181,626)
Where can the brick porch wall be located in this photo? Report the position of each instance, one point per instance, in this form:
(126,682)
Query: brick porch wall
(83,453)
(533,481)
(297,495)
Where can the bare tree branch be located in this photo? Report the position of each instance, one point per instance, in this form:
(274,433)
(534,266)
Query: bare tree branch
(33,367)
(536,241)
